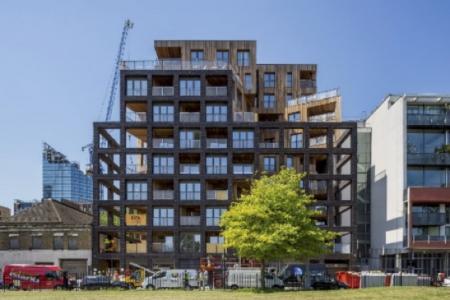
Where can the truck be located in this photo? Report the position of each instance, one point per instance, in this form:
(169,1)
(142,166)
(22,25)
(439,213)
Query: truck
(170,278)
(27,277)
(251,278)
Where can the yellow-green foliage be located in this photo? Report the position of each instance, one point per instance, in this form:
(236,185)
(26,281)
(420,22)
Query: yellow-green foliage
(274,221)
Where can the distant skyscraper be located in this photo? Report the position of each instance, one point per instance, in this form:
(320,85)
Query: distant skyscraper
(63,179)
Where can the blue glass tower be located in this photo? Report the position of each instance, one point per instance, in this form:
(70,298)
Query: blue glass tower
(63,179)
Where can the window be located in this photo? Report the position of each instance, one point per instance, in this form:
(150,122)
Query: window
(213,216)
(189,139)
(429,177)
(196,55)
(73,242)
(216,113)
(296,140)
(190,191)
(289,162)
(162,216)
(425,141)
(14,241)
(109,216)
(163,113)
(243,139)
(269,101)
(294,117)
(136,190)
(36,242)
(190,87)
(222,56)
(58,242)
(163,165)
(288,98)
(136,87)
(248,81)
(269,80)
(190,242)
(289,79)
(243,58)
(216,165)
(269,164)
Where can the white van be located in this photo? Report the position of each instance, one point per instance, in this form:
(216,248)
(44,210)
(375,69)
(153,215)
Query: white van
(170,278)
(251,278)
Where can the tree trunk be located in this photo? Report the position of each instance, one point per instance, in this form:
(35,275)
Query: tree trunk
(263,274)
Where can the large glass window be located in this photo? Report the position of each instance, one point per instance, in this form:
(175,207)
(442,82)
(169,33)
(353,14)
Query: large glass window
(213,215)
(243,58)
(163,113)
(136,190)
(294,117)
(189,139)
(109,216)
(136,87)
(216,165)
(190,87)
(216,113)
(430,177)
(269,163)
(425,141)
(190,191)
(196,55)
(222,56)
(163,216)
(72,243)
(163,164)
(243,139)
(269,101)
(296,140)
(269,80)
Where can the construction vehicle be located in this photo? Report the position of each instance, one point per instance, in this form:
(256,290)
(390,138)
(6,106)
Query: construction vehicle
(137,277)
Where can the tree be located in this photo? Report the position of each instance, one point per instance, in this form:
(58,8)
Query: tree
(274,222)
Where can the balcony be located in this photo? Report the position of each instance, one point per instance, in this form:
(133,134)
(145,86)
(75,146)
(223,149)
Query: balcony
(428,158)
(221,195)
(430,242)
(163,143)
(163,91)
(163,195)
(189,117)
(189,144)
(269,145)
(428,119)
(328,117)
(245,117)
(190,220)
(215,248)
(216,91)
(307,84)
(243,169)
(175,64)
(136,116)
(341,248)
(216,143)
(429,219)
(162,247)
(186,169)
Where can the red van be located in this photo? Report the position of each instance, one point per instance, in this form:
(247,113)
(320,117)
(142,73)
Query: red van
(32,276)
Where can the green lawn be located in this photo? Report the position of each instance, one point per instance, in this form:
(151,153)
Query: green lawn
(366,294)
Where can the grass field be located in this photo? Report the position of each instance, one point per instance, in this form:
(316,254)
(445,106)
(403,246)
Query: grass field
(366,294)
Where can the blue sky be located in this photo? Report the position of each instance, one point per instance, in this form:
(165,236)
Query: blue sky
(57,59)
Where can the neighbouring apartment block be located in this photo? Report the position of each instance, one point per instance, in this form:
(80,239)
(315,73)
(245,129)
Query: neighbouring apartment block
(63,179)
(196,125)
(410,180)
(49,232)
(5,212)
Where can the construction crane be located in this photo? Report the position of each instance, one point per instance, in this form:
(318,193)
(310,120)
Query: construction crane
(113,90)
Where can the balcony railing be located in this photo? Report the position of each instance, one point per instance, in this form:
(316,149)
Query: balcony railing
(307,84)
(175,64)
(243,169)
(216,118)
(163,91)
(216,143)
(428,239)
(216,169)
(245,117)
(163,195)
(243,144)
(190,196)
(162,247)
(190,117)
(189,144)
(136,116)
(428,119)
(315,97)
(342,248)
(328,117)
(269,145)
(216,91)
(428,158)
(429,219)
(136,169)
(221,195)
(163,143)
(163,117)
(215,248)
(190,221)
(189,169)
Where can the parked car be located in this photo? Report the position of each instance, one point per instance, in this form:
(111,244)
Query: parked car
(27,277)
(328,285)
